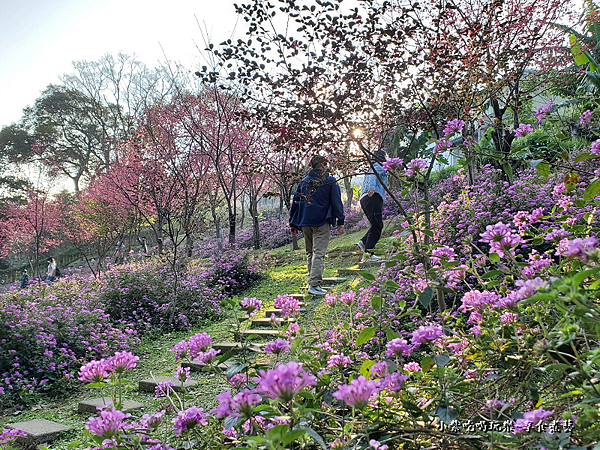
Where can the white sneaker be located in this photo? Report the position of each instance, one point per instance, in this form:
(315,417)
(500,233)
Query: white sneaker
(316,290)
(372,258)
(361,245)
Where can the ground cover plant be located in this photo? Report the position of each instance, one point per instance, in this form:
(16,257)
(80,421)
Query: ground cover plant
(47,330)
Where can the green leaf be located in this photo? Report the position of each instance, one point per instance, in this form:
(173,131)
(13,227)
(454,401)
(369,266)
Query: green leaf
(376,303)
(293,435)
(592,191)
(367,275)
(365,368)
(491,274)
(231,422)
(74,444)
(579,277)
(494,257)
(428,233)
(508,170)
(426,296)
(441,360)
(577,50)
(392,284)
(427,363)
(584,156)
(365,335)
(447,415)
(391,334)
(543,169)
(571,180)
(317,438)
(96,385)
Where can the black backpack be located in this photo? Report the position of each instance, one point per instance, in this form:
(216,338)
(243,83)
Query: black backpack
(58,274)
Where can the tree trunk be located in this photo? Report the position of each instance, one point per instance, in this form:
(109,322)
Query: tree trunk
(349,192)
(189,245)
(255,225)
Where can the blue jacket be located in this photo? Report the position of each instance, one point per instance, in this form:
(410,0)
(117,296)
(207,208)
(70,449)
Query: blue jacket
(317,201)
(371,181)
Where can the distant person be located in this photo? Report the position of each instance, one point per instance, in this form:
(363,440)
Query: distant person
(371,202)
(24,281)
(51,272)
(317,206)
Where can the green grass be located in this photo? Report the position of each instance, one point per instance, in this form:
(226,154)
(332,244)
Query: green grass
(286,275)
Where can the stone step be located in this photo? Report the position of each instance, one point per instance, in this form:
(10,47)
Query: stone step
(334,280)
(261,333)
(39,431)
(198,366)
(372,263)
(277,312)
(349,271)
(298,297)
(149,384)
(235,346)
(267,322)
(91,406)
(326,289)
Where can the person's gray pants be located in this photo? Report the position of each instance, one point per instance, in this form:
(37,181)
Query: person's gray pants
(316,240)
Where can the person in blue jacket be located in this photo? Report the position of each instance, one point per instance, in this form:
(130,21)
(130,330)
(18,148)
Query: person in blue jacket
(317,207)
(371,202)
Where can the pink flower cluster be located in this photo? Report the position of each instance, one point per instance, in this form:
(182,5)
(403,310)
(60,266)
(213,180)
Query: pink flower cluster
(196,348)
(277,347)
(543,110)
(357,393)
(97,371)
(426,333)
(240,405)
(284,381)
(523,129)
(340,361)
(454,126)
(595,147)
(391,163)
(8,435)
(188,419)
(398,347)
(586,118)
(441,145)
(251,305)
(289,305)
(530,419)
(107,423)
(501,238)
(577,248)
(414,166)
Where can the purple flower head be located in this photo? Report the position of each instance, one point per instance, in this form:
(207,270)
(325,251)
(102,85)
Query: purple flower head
(121,362)
(152,420)
(441,145)
(454,126)
(181,349)
(284,381)
(426,333)
(414,166)
(523,129)
(339,361)
(188,419)
(107,423)
(376,445)
(277,347)
(530,419)
(442,253)
(393,381)
(476,300)
(199,343)
(207,357)
(164,388)
(293,330)
(379,370)
(585,118)
(595,147)
(7,435)
(501,238)
(182,374)
(93,372)
(357,393)
(239,380)
(412,367)
(251,305)
(509,317)
(398,347)
(556,235)
(289,305)
(338,444)
(240,405)
(543,110)
(391,163)
(331,299)
(347,298)
(577,248)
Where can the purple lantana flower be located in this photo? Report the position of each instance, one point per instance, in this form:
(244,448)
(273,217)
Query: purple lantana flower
(121,362)
(107,423)
(414,166)
(357,393)
(188,419)
(277,346)
(398,347)
(523,129)
(543,110)
(289,305)
(454,126)
(391,163)
(426,333)
(93,372)
(250,305)
(284,381)
(585,118)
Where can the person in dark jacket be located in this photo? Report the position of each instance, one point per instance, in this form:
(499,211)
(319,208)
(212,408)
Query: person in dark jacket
(24,281)
(317,207)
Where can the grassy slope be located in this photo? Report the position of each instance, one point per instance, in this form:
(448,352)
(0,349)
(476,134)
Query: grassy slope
(287,275)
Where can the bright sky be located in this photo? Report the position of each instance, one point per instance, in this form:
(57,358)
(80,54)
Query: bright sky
(39,39)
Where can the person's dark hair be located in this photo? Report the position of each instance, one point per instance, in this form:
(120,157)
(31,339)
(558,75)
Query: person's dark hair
(318,161)
(380,156)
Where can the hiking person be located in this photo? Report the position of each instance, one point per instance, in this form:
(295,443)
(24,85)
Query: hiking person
(371,202)
(24,281)
(317,207)
(51,272)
